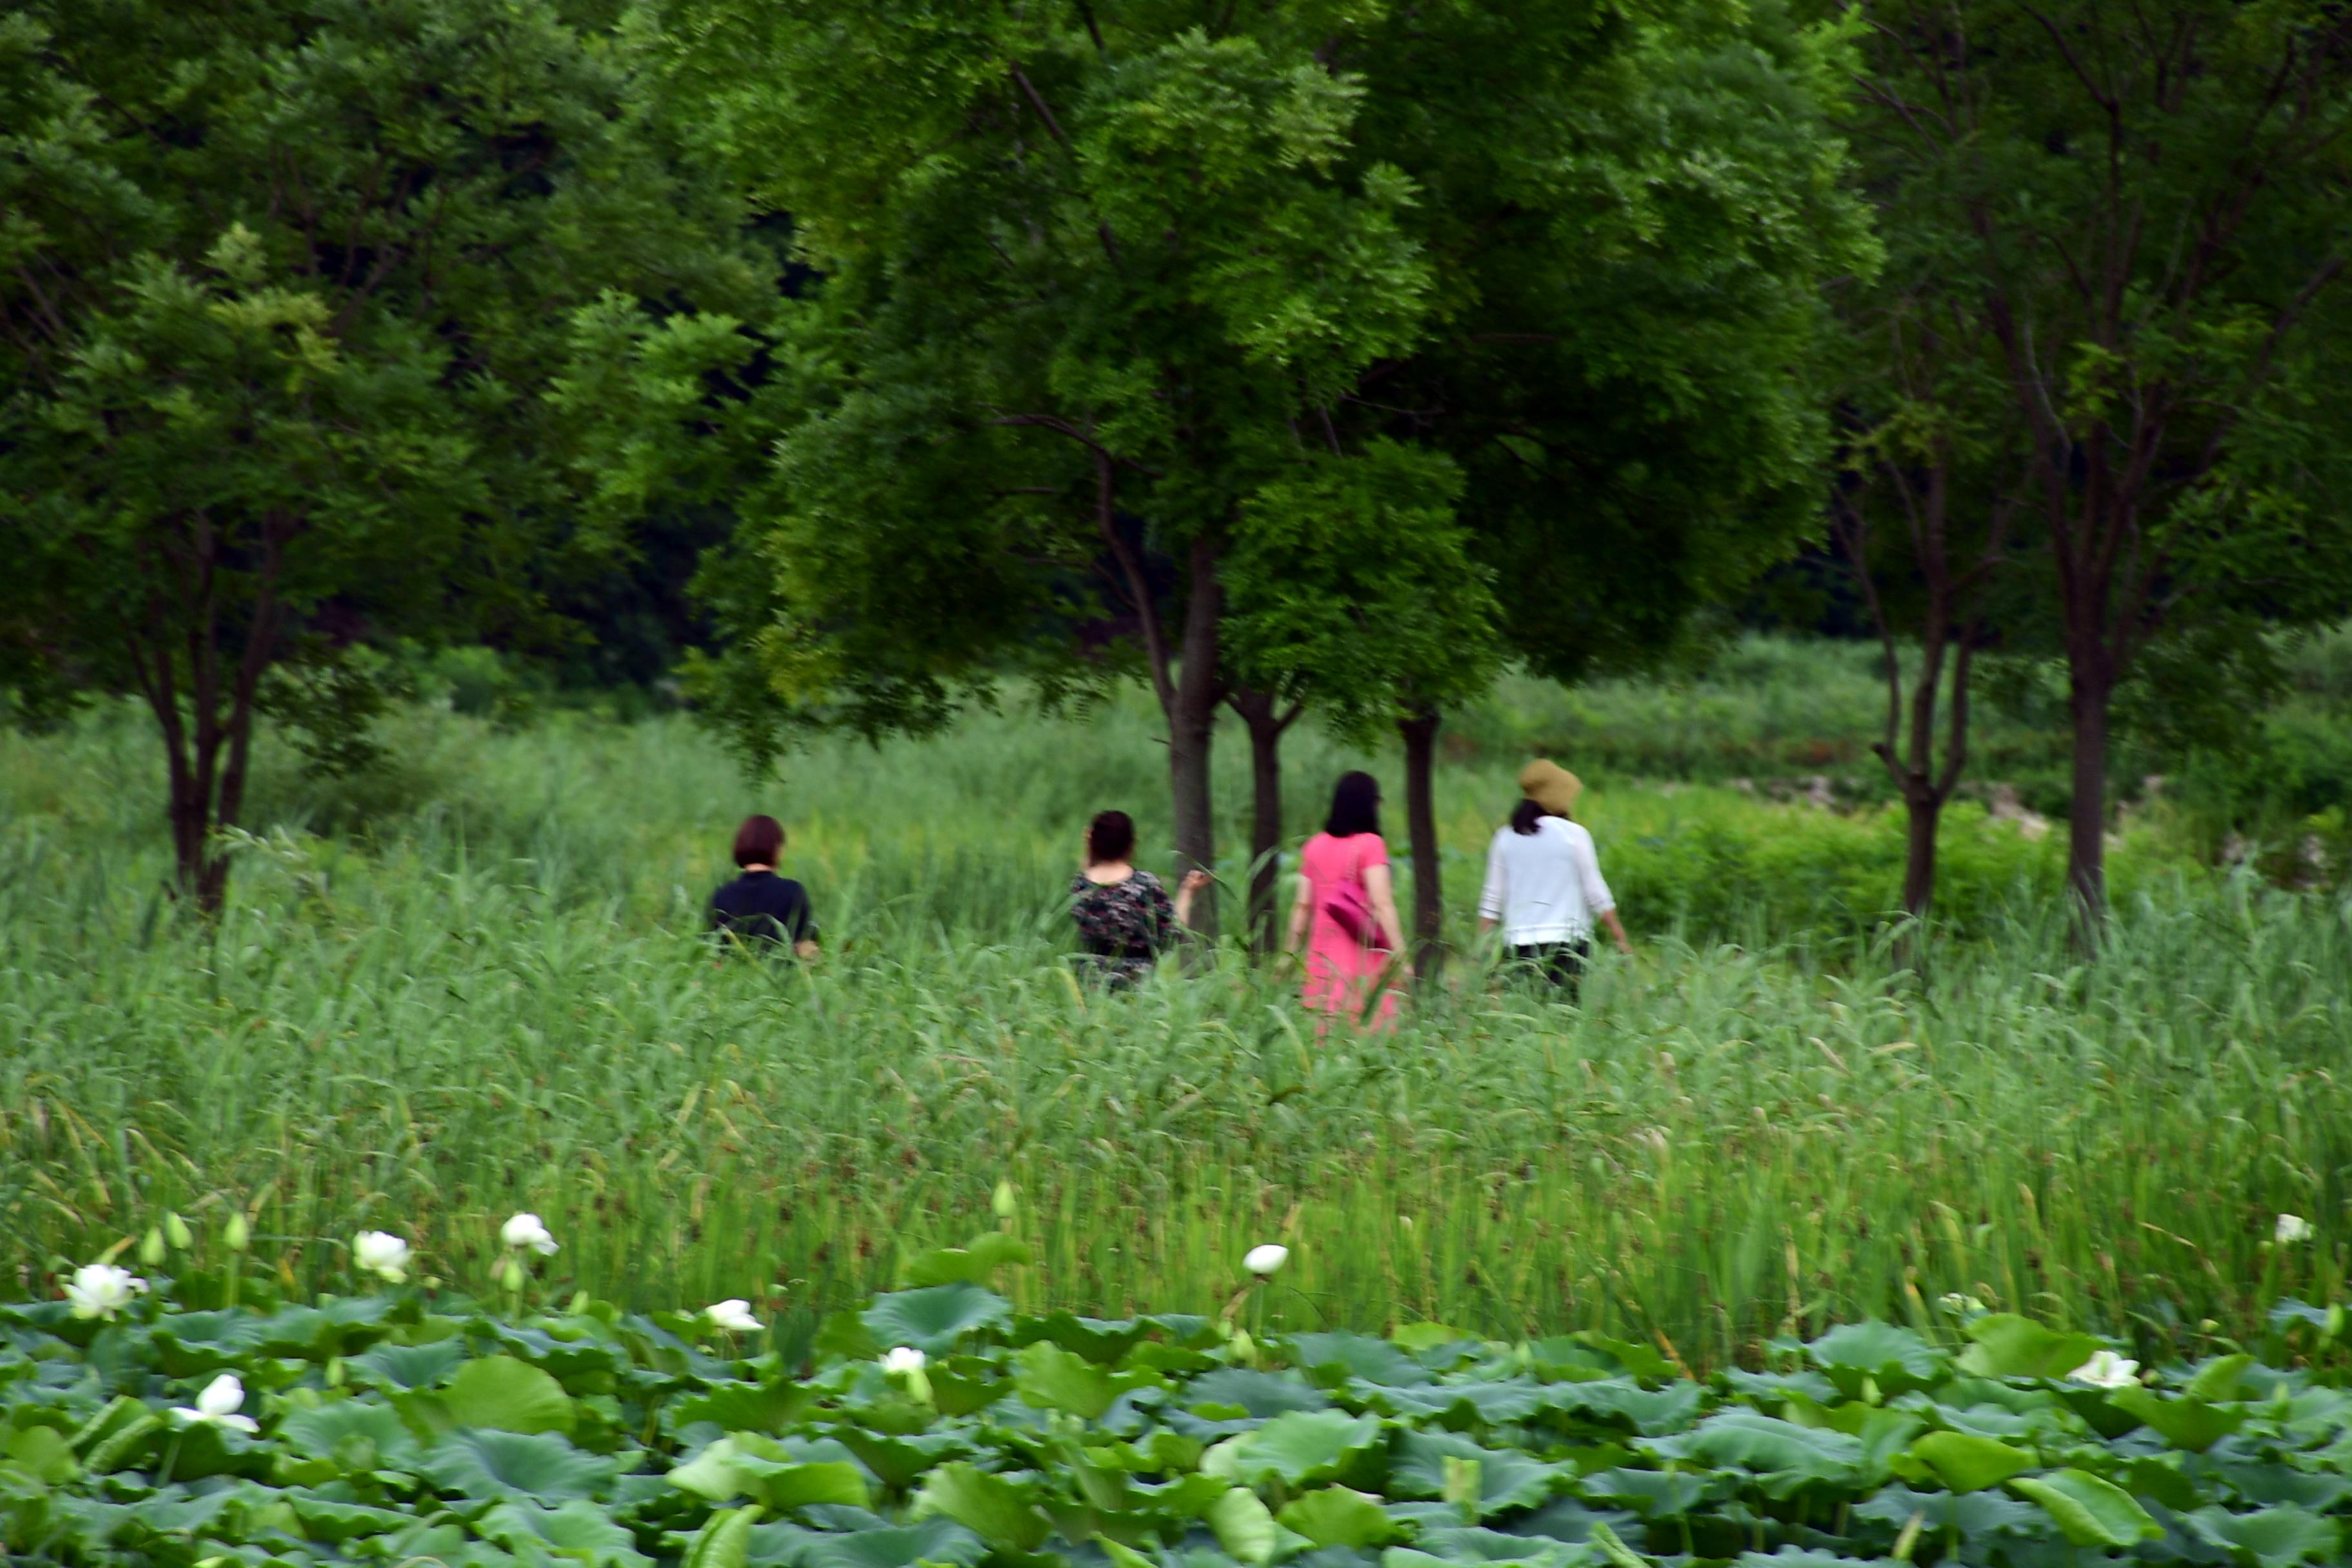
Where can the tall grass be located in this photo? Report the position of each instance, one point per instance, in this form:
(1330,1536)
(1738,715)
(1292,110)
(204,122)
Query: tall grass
(476,988)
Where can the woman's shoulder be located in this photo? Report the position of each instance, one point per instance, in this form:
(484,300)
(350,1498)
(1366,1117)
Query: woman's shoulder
(1563,828)
(1143,882)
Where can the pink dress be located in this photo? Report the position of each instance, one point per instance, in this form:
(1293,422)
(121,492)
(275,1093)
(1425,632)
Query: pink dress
(1342,970)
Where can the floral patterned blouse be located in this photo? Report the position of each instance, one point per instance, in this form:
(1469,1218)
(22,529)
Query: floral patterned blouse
(1122,926)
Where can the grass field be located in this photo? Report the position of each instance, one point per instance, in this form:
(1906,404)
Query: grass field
(468,984)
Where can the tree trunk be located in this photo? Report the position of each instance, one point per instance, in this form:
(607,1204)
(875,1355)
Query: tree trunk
(2086,815)
(1420,733)
(1191,712)
(1926,808)
(1266,724)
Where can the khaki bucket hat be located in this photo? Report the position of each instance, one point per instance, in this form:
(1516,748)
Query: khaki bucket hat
(1551,786)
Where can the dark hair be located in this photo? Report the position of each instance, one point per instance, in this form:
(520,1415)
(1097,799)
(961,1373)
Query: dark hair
(1354,806)
(758,841)
(1526,814)
(1111,836)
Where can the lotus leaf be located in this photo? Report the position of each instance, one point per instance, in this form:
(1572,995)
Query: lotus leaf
(495,1466)
(2089,1511)
(1506,1478)
(933,1320)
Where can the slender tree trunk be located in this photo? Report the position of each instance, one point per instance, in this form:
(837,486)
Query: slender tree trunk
(1420,733)
(1926,810)
(1266,724)
(2086,817)
(1192,712)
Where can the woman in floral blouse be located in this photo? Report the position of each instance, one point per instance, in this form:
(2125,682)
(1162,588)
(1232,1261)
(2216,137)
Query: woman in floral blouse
(1124,918)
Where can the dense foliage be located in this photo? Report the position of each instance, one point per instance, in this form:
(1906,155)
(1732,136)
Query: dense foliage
(937,1426)
(283,294)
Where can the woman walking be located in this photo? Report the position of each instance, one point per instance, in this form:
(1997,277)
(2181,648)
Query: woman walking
(1543,879)
(1123,916)
(759,908)
(1345,916)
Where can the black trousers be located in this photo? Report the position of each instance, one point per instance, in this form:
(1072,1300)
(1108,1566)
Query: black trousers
(1561,962)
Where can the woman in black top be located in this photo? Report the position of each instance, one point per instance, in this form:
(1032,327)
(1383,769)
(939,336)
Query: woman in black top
(758,907)
(1123,915)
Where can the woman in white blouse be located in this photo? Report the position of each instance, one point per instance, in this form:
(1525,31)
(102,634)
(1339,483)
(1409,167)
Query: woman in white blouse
(1543,879)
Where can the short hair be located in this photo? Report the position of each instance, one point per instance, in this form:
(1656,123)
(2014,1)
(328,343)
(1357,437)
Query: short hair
(758,841)
(1111,836)
(1354,806)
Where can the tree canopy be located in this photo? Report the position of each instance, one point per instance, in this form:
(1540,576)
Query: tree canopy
(282,289)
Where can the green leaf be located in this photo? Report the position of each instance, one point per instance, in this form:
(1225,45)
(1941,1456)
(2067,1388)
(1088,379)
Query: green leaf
(1506,1478)
(1344,1355)
(2219,1380)
(724,1540)
(2274,1537)
(934,1540)
(2092,1512)
(2010,1346)
(933,1320)
(357,1435)
(784,1487)
(1050,1378)
(42,1453)
(1295,1448)
(1896,1359)
(988,1252)
(1416,1339)
(2185,1423)
(581,1531)
(737,1407)
(500,1465)
(1618,1553)
(1244,1528)
(1784,1456)
(1967,1463)
(408,1366)
(711,1474)
(508,1395)
(999,1511)
(1339,1516)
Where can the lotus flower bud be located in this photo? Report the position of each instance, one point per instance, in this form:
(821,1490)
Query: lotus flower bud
(238,1236)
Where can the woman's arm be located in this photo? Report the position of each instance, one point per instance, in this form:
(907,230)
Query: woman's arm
(1301,908)
(1617,929)
(1194,881)
(1597,897)
(1381,887)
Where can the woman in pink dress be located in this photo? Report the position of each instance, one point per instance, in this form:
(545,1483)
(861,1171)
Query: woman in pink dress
(1346,917)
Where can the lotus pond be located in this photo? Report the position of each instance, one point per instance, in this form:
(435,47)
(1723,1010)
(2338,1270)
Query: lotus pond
(149,1421)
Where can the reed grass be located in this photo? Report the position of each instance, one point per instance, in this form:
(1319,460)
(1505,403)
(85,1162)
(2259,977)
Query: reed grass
(472,985)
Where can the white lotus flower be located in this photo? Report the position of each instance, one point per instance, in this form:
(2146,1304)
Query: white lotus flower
(217,1406)
(1263,1260)
(904,1359)
(102,1290)
(526,1231)
(381,1253)
(733,1314)
(2105,1368)
(2290,1230)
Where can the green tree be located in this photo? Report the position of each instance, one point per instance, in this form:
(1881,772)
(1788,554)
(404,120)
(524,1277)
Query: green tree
(1089,288)
(1111,291)
(1631,216)
(281,291)
(2137,215)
